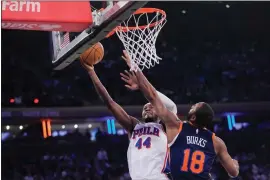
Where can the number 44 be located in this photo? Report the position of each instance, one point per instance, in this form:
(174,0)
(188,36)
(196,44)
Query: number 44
(146,143)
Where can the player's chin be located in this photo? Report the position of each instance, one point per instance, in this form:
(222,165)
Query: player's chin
(149,119)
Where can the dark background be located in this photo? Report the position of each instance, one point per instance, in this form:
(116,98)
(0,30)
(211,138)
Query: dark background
(210,53)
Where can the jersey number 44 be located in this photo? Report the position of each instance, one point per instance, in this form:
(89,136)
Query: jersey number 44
(146,143)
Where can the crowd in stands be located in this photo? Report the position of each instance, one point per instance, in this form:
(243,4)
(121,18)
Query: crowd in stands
(75,157)
(212,71)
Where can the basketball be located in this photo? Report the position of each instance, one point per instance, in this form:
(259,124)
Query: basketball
(93,55)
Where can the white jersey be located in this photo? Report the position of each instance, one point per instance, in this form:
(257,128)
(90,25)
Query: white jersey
(148,152)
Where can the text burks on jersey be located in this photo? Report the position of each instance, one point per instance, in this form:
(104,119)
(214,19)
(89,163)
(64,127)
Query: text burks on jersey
(196,141)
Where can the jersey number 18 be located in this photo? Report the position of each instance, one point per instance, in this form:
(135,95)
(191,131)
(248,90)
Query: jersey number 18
(197,161)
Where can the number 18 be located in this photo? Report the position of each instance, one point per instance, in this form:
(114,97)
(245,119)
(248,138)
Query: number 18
(197,161)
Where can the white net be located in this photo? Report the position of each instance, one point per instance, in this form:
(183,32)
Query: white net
(138,35)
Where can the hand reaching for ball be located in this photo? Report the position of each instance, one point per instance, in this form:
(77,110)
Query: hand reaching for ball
(86,66)
(92,56)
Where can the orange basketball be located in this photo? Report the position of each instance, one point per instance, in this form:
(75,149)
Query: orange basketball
(93,55)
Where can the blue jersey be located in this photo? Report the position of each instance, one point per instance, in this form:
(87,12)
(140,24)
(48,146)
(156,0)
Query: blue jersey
(192,153)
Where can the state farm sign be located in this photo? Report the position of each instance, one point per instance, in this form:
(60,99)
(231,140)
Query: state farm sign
(46,16)
(23,6)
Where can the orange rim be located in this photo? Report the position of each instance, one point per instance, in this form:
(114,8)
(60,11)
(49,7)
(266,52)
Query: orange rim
(141,11)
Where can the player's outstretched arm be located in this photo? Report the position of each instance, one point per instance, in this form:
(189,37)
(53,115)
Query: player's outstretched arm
(230,165)
(151,95)
(128,122)
(169,118)
(132,84)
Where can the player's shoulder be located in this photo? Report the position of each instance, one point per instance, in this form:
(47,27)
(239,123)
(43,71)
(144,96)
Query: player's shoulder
(218,140)
(218,143)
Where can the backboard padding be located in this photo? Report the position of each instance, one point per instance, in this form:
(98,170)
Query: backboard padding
(110,18)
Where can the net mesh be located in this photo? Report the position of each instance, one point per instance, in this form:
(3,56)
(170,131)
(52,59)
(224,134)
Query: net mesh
(139,40)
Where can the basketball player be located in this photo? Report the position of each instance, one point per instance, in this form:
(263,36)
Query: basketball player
(148,148)
(193,147)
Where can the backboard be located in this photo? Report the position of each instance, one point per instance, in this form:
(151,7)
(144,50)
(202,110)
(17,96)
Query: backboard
(74,25)
(67,46)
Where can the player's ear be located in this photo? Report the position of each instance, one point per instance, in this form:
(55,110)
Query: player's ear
(193,117)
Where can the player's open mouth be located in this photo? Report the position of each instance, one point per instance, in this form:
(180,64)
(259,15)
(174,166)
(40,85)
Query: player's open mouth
(148,119)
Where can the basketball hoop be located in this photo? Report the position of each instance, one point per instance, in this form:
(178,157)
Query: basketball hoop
(139,34)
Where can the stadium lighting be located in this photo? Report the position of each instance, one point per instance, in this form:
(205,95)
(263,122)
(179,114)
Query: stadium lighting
(109,129)
(7,127)
(11,100)
(113,126)
(36,100)
(20,127)
(76,126)
(90,125)
(63,126)
(231,121)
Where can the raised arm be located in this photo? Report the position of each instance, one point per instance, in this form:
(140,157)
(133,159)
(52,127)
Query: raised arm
(170,119)
(230,165)
(128,122)
(168,103)
(150,93)
(132,84)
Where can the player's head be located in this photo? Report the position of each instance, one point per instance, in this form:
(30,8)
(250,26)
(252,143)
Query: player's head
(149,114)
(201,114)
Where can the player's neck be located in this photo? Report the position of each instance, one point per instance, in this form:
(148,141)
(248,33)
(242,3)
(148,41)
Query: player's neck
(195,125)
